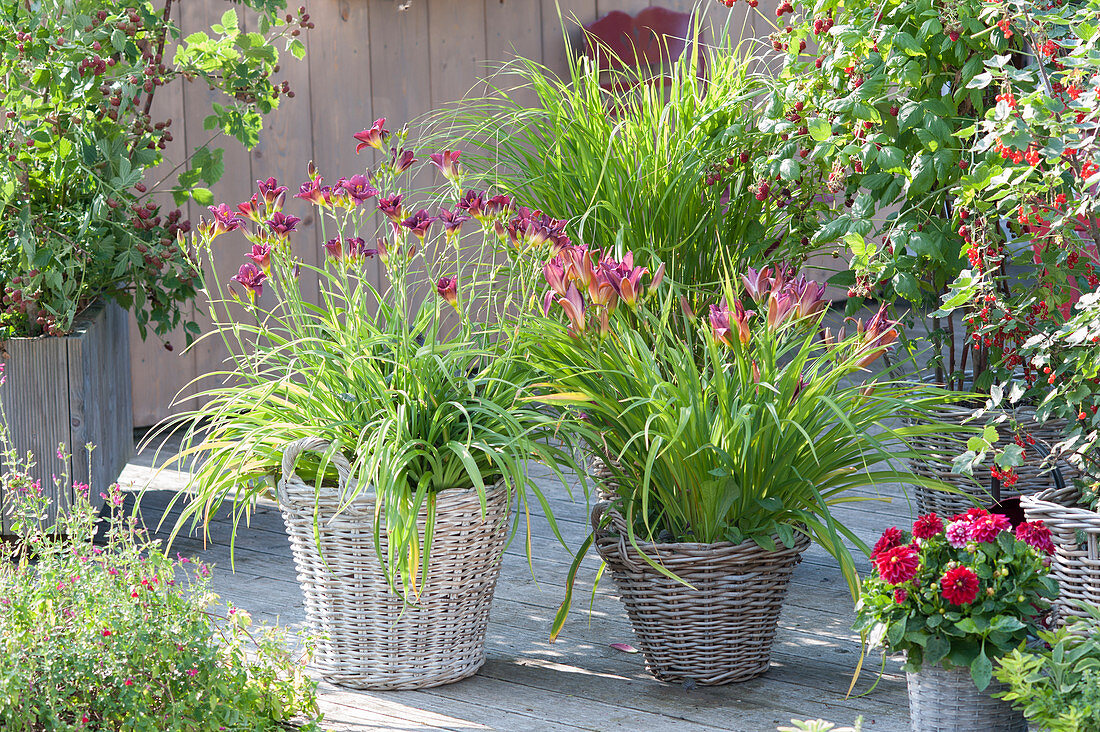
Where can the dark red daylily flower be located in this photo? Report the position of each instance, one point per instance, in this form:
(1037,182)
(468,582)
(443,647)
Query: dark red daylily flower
(452,221)
(447,162)
(357,188)
(282,224)
(334,247)
(251,209)
(224,220)
(391,207)
(374,137)
(261,256)
(402,161)
(473,203)
(272,193)
(313,192)
(419,223)
(251,278)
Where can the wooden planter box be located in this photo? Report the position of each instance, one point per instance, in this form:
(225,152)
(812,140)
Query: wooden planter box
(75,390)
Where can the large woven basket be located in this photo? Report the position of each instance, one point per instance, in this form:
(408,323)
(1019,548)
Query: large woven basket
(942,700)
(369,637)
(719,630)
(1076,561)
(1032,477)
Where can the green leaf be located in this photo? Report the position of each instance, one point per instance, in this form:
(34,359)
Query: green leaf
(892,160)
(922,174)
(981,670)
(936,649)
(297,49)
(820,129)
(908,44)
(906,285)
(1011,456)
(909,115)
(789,169)
(202,196)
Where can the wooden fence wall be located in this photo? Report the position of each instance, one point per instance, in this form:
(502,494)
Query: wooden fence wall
(365,59)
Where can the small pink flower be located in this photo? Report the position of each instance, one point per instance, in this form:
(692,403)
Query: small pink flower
(192,671)
(958,532)
(128,682)
(107,633)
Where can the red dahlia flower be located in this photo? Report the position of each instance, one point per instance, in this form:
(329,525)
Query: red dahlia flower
(1036,534)
(986,528)
(901,595)
(927,526)
(959,586)
(898,564)
(890,538)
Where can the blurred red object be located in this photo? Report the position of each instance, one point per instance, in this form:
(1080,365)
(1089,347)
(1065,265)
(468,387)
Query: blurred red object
(651,39)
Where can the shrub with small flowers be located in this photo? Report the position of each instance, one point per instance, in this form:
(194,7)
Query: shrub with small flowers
(100,630)
(960,593)
(79,219)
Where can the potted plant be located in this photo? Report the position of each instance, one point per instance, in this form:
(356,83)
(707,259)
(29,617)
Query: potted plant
(882,101)
(730,436)
(955,597)
(1055,684)
(84,233)
(392,422)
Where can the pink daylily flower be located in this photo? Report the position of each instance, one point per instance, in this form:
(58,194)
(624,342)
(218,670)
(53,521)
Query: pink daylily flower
(374,137)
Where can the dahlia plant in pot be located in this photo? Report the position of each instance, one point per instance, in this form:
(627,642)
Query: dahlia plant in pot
(955,597)
(392,422)
(87,170)
(728,439)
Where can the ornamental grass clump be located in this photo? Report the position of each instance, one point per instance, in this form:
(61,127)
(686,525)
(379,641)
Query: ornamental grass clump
(417,382)
(746,423)
(100,630)
(665,166)
(960,593)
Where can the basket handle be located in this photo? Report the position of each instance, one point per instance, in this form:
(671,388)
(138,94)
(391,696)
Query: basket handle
(292,451)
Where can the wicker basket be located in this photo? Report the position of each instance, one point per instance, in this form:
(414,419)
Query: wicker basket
(369,637)
(1032,477)
(717,631)
(942,700)
(1076,560)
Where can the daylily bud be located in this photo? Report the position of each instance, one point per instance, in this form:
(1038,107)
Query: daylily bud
(447,287)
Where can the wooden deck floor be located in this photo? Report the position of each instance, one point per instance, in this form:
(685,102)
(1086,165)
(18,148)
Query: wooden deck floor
(579,682)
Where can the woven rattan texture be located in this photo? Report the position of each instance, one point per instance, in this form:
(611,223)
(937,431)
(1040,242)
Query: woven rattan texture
(942,700)
(1076,561)
(719,630)
(370,639)
(1032,477)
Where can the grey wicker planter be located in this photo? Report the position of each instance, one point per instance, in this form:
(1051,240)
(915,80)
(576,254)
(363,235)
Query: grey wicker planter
(1032,478)
(719,630)
(942,700)
(369,638)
